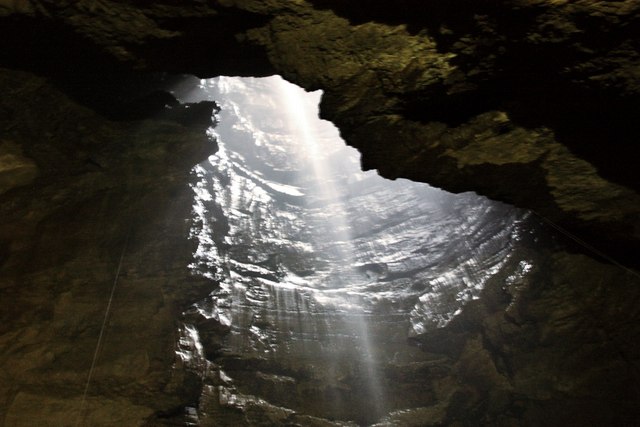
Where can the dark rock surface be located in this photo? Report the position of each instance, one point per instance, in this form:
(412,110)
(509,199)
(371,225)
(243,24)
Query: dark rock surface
(462,95)
(533,102)
(91,198)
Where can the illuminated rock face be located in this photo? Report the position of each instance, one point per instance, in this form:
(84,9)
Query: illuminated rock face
(326,271)
(530,102)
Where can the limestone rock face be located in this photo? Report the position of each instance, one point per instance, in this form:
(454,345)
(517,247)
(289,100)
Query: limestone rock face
(533,102)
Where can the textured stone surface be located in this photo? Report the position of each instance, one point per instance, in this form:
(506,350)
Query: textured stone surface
(326,270)
(105,190)
(533,102)
(15,169)
(556,351)
(462,95)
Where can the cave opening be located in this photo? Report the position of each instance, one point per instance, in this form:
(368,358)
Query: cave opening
(326,274)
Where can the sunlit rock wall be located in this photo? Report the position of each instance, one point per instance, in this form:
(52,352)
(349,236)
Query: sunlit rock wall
(531,102)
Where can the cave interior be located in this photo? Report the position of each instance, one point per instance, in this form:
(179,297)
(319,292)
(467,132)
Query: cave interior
(529,107)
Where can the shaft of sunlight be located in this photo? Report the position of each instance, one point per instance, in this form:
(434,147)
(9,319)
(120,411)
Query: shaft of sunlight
(301,107)
(301,112)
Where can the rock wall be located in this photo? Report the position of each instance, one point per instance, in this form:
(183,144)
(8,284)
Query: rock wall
(90,207)
(531,102)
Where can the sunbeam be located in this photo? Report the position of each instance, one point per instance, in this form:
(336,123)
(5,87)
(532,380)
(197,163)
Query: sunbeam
(299,107)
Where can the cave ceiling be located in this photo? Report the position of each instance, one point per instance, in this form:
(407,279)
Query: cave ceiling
(530,102)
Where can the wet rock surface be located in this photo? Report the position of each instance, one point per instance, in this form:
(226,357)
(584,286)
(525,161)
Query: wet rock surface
(496,330)
(530,102)
(324,270)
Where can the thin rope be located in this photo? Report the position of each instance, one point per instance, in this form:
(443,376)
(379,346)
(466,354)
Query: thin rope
(586,245)
(102,329)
